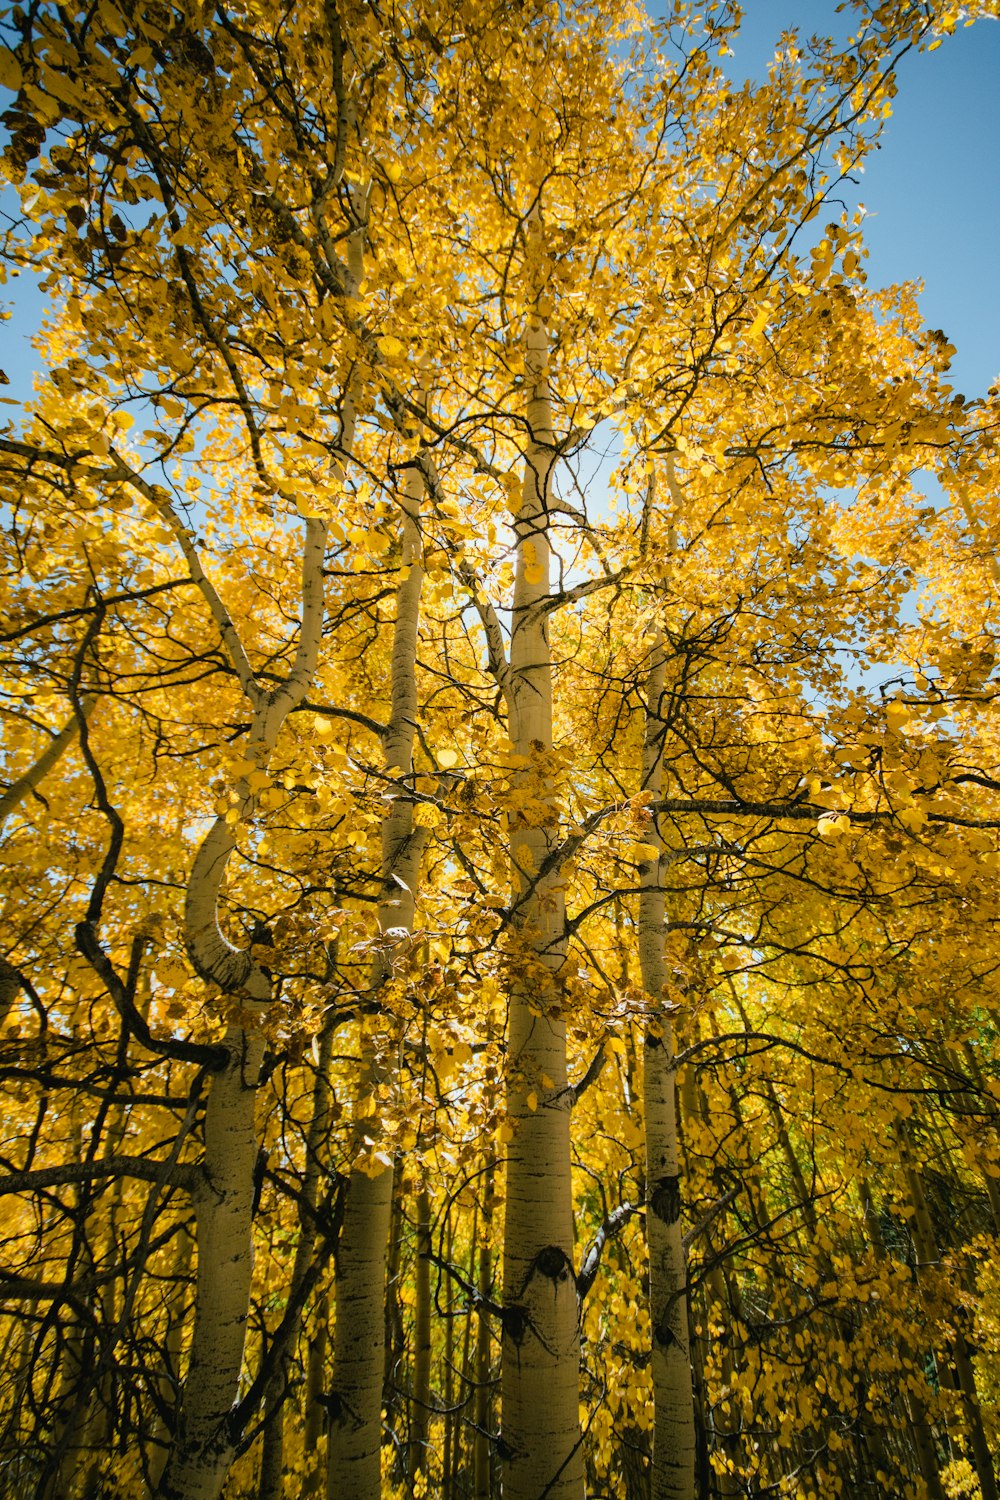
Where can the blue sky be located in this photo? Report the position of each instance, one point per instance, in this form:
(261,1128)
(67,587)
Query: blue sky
(931,190)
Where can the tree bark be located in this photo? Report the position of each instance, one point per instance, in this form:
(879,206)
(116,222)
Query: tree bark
(483,1447)
(170,1376)
(205,1440)
(354,1454)
(50,757)
(421,1387)
(206,1437)
(315,1423)
(925,1242)
(271,1480)
(673,1404)
(541,1450)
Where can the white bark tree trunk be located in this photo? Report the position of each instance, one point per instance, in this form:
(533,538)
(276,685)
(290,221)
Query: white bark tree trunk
(673,1403)
(354,1451)
(204,1443)
(205,1440)
(271,1482)
(50,756)
(542,1452)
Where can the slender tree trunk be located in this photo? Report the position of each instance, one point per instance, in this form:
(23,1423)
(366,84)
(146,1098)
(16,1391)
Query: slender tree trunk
(673,1405)
(14,795)
(354,1452)
(81,1472)
(542,1452)
(395,1329)
(421,1386)
(921,1432)
(271,1481)
(483,1448)
(448,1446)
(720,1289)
(205,1441)
(170,1381)
(963,1378)
(75,1365)
(467,1376)
(204,1444)
(313,1482)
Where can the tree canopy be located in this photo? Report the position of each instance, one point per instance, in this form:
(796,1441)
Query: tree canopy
(499,775)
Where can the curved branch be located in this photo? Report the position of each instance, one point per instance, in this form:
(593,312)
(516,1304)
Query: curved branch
(179,1175)
(35,775)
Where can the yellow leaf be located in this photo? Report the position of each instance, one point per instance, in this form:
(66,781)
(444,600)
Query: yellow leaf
(759,323)
(391,347)
(10,71)
(447,758)
(834,826)
(646,851)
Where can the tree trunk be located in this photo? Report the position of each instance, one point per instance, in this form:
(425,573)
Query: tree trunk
(963,1378)
(315,1425)
(354,1454)
(208,1423)
(673,1405)
(170,1376)
(271,1482)
(32,779)
(205,1441)
(421,1388)
(483,1449)
(541,1343)
(448,1445)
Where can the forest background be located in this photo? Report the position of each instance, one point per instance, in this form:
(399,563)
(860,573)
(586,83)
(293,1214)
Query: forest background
(500,820)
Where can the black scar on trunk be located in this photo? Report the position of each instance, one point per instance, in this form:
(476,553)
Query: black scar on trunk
(665,1199)
(663,1333)
(514,1320)
(553,1263)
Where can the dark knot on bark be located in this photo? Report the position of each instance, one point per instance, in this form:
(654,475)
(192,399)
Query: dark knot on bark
(665,1199)
(554,1264)
(514,1320)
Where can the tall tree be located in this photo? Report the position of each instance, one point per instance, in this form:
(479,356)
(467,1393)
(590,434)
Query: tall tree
(447,413)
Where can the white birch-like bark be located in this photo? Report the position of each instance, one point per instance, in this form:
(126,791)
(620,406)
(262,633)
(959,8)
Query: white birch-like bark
(314,1479)
(205,1441)
(541,1449)
(271,1483)
(50,756)
(204,1444)
(673,1461)
(421,1384)
(174,1347)
(354,1449)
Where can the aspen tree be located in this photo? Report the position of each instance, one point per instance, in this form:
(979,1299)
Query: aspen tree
(204,183)
(673,1429)
(354,1452)
(958,1355)
(204,1445)
(540,1372)
(271,1484)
